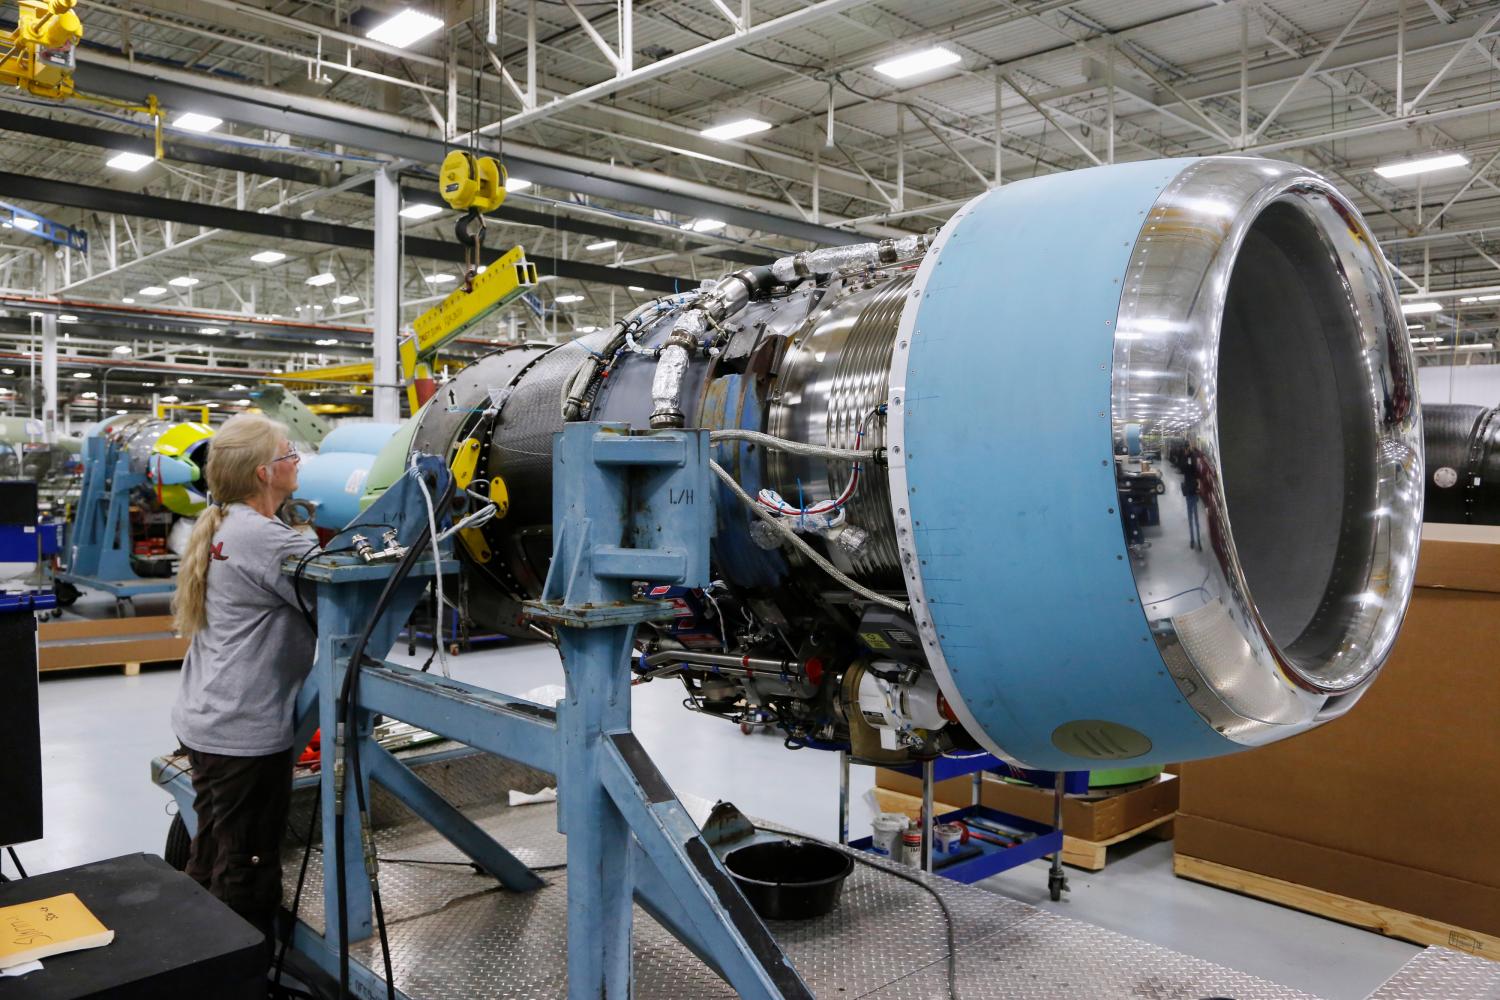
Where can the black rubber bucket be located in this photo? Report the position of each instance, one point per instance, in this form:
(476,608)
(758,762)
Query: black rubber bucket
(790,879)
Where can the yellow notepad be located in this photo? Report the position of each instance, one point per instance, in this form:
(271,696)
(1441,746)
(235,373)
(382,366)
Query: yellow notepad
(35,930)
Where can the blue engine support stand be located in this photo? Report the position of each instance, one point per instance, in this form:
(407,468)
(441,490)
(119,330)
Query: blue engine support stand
(99,537)
(628,508)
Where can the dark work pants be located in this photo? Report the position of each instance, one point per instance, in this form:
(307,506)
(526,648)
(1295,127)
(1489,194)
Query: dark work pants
(241,804)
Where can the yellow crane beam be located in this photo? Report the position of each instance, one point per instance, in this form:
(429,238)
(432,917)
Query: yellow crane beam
(501,283)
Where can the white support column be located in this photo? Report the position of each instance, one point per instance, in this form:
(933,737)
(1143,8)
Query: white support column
(387,294)
(1109,71)
(900,157)
(1245,77)
(531,89)
(49,353)
(999,148)
(627,36)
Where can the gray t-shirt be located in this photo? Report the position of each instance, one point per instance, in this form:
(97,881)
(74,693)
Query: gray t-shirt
(243,669)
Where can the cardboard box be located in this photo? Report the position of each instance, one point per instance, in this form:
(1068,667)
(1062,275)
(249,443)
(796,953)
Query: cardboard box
(1394,803)
(1095,818)
(126,642)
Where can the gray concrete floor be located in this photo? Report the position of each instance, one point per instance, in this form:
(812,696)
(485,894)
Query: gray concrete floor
(100,730)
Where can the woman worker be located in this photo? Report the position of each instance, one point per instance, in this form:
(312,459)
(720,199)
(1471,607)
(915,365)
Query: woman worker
(251,648)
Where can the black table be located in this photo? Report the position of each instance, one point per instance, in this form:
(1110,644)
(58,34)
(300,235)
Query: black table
(172,939)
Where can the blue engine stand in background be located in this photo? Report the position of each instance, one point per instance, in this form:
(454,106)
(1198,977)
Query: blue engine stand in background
(99,538)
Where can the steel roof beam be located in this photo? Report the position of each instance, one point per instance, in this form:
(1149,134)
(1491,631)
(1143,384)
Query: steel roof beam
(72,132)
(404,139)
(305,230)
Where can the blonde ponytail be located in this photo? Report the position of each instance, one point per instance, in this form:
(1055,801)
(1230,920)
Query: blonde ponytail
(192,572)
(244,444)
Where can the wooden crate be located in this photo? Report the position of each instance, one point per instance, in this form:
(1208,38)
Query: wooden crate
(1088,854)
(110,642)
(1370,916)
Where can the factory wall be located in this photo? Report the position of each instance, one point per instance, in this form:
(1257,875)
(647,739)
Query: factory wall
(1478,385)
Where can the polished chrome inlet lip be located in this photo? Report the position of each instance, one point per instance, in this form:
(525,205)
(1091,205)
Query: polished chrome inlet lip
(1267,444)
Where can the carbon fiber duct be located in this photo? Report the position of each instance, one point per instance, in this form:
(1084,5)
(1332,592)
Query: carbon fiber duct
(1463,463)
(1140,475)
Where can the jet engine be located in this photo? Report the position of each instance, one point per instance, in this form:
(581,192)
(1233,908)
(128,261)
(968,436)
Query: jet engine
(1122,464)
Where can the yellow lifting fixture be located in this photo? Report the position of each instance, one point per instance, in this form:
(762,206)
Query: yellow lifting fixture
(39,51)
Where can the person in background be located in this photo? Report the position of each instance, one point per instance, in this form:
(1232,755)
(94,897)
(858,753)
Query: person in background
(251,649)
(1189,469)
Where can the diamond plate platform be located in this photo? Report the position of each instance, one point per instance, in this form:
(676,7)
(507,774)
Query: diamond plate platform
(1443,973)
(456,934)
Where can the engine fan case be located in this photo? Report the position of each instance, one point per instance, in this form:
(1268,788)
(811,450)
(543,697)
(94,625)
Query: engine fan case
(1057,322)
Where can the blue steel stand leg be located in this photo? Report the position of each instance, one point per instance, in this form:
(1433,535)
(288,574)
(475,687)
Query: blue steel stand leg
(599,870)
(634,508)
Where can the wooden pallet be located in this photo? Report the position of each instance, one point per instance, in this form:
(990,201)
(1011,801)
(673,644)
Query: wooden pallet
(1370,916)
(1088,854)
(112,642)
(1093,854)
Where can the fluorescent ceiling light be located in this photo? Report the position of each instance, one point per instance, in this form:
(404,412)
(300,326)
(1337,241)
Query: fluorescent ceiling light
(169,399)
(239,387)
(242,402)
(150,291)
(7,371)
(327,342)
(1409,308)
(194,122)
(90,395)
(82,375)
(183,281)
(601,245)
(1422,165)
(514,184)
(569,298)
(130,162)
(704,225)
(123,349)
(405,28)
(1475,347)
(127,300)
(345,300)
(210,330)
(917,62)
(635,288)
(21,222)
(422,210)
(268,257)
(1468,299)
(36,315)
(184,381)
(438,279)
(1427,340)
(735,129)
(67,318)
(319,280)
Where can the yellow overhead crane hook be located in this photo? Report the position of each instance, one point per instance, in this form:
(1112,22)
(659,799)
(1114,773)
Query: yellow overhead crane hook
(473,185)
(38,54)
